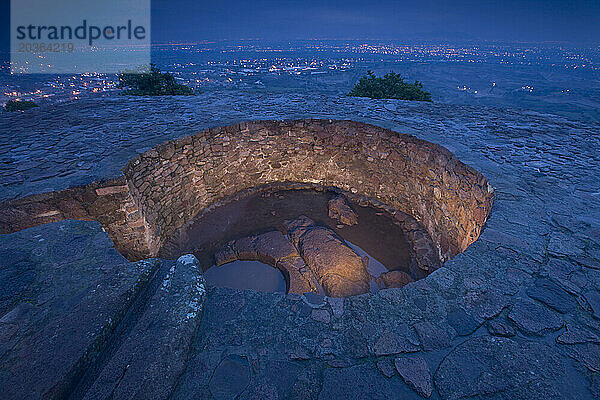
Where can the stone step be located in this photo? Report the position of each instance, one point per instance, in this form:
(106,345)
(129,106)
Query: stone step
(150,359)
(64,291)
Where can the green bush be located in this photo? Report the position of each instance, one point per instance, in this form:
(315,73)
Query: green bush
(19,105)
(153,83)
(391,86)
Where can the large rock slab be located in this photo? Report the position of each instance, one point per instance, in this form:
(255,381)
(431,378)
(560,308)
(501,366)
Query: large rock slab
(282,379)
(338,269)
(541,166)
(552,295)
(500,368)
(362,382)
(534,319)
(415,372)
(391,343)
(433,336)
(230,378)
(64,290)
(154,354)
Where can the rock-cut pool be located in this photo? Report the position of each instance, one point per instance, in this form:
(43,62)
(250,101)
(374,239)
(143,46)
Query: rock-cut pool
(375,236)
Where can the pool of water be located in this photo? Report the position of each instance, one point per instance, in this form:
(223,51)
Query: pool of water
(246,275)
(377,235)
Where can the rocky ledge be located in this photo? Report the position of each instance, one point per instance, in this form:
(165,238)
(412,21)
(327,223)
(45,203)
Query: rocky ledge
(517,315)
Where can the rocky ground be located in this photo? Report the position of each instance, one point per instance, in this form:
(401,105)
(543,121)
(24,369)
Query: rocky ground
(516,316)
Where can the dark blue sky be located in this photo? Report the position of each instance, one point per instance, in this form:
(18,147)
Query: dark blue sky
(576,21)
(498,20)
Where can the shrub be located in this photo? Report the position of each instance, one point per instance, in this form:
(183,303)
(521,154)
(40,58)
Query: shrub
(19,105)
(153,83)
(391,86)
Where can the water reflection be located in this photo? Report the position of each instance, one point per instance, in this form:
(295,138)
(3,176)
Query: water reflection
(246,275)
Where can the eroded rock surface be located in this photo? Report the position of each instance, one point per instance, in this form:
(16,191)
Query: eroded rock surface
(360,382)
(415,372)
(274,249)
(505,368)
(338,269)
(545,225)
(154,354)
(340,210)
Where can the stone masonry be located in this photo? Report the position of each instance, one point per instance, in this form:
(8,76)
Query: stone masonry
(108,202)
(176,180)
(167,186)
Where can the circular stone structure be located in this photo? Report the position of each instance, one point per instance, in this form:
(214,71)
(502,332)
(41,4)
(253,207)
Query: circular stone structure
(178,179)
(441,202)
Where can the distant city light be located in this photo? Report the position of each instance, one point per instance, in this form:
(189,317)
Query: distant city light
(297,62)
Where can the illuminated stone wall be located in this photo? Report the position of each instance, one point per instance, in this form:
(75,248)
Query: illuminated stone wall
(174,181)
(167,186)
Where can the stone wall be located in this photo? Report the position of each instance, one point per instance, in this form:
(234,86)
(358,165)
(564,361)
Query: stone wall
(176,180)
(164,188)
(108,202)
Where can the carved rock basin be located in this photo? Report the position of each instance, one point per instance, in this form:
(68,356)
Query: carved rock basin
(444,335)
(323,258)
(319,240)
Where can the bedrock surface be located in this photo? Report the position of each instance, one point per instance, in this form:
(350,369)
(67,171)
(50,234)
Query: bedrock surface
(469,330)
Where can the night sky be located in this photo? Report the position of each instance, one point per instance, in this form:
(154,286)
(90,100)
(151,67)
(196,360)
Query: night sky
(576,21)
(500,20)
